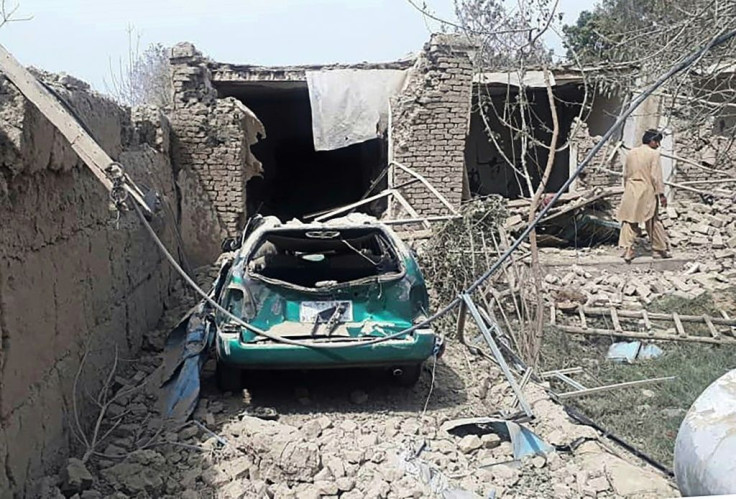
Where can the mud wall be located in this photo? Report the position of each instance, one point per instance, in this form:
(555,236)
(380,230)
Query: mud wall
(211,155)
(431,119)
(72,279)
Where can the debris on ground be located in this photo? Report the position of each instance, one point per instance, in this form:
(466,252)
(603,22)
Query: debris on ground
(337,448)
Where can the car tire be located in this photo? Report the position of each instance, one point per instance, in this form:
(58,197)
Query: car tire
(229,378)
(409,375)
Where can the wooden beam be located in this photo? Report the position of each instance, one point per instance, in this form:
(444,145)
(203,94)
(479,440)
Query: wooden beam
(614,318)
(599,389)
(583,320)
(713,332)
(645,336)
(88,150)
(410,209)
(350,206)
(638,314)
(678,324)
(429,186)
(405,221)
(647,323)
(567,370)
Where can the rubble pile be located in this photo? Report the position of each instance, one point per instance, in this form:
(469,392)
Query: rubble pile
(703,227)
(704,244)
(368,439)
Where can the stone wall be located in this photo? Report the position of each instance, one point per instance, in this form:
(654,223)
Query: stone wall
(211,155)
(71,277)
(431,119)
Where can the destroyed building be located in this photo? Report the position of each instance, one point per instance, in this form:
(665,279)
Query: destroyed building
(241,140)
(292,142)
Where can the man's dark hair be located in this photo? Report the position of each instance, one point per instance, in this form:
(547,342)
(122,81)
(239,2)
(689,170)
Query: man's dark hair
(651,135)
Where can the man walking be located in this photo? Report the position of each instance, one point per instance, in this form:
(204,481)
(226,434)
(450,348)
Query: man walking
(643,195)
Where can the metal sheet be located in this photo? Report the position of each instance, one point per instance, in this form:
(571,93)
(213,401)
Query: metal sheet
(180,386)
(523,441)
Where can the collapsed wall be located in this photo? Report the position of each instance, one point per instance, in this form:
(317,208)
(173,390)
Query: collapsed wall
(211,155)
(695,158)
(73,280)
(430,121)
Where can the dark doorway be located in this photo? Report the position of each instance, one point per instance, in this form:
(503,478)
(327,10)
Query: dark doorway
(494,171)
(297,180)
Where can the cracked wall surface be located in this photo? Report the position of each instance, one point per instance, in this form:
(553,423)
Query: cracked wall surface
(212,157)
(71,277)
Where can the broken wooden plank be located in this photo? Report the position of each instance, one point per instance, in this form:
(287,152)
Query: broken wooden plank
(584,202)
(605,388)
(88,150)
(727,318)
(409,208)
(583,320)
(404,221)
(552,314)
(567,370)
(645,336)
(713,332)
(678,324)
(647,323)
(350,206)
(614,318)
(429,186)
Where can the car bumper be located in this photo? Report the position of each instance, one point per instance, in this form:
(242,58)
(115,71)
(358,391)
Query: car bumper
(412,349)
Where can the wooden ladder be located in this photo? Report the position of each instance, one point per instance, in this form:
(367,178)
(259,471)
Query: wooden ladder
(722,330)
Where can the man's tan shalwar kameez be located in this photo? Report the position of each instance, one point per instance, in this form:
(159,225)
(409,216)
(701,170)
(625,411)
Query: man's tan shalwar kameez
(643,185)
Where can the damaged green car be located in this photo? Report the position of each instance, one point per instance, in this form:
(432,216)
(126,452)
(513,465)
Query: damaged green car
(338,294)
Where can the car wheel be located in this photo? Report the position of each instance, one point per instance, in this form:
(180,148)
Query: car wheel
(229,378)
(407,375)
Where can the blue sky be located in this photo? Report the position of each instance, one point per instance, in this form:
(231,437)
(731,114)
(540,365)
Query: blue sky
(84,37)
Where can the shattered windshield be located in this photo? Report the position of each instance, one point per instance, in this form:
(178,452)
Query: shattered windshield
(319,258)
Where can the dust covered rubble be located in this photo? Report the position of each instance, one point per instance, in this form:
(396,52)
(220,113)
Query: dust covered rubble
(703,227)
(349,451)
(702,235)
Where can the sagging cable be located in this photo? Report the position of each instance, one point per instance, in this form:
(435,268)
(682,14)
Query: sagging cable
(685,63)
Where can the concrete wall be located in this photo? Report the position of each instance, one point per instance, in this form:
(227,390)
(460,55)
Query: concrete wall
(69,276)
(431,120)
(211,156)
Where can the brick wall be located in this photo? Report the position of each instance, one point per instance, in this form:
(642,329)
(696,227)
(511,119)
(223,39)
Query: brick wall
(211,155)
(431,120)
(598,172)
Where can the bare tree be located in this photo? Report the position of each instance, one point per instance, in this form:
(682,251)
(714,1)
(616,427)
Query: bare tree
(630,40)
(9,14)
(143,77)
(510,40)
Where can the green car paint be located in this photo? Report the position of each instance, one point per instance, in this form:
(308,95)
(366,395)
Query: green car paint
(381,306)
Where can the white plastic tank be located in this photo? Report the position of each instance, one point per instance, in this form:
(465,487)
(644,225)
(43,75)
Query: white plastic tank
(705,450)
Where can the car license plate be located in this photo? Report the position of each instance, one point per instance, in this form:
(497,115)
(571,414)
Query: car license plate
(308,310)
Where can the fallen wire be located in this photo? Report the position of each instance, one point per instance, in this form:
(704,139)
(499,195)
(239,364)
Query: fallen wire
(685,63)
(431,385)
